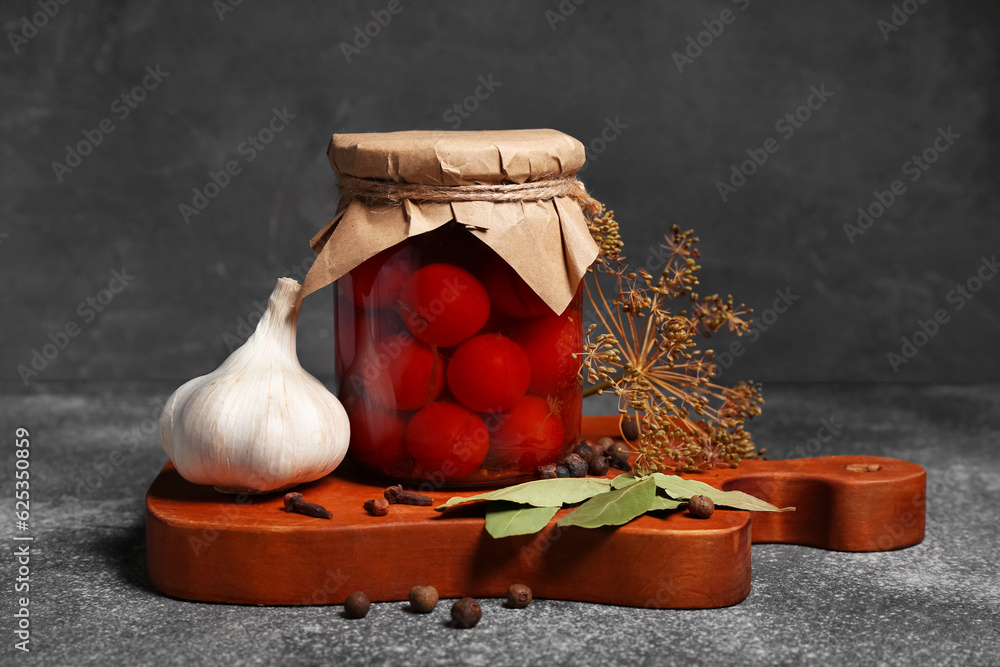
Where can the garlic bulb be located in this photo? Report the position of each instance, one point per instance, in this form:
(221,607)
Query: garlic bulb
(260,422)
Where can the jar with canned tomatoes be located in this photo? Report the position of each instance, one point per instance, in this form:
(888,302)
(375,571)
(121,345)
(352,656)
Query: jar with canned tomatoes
(458,333)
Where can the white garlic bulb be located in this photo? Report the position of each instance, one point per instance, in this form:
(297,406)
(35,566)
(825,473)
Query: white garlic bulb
(260,422)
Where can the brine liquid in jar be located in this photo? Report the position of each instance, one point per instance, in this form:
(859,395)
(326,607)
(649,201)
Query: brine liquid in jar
(452,370)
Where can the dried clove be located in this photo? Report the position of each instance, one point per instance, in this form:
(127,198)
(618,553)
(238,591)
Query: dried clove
(423,599)
(398,495)
(577,466)
(547,472)
(518,596)
(466,613)
(701,507)
(377,507)
(619,461)
(357,605)
(294,502)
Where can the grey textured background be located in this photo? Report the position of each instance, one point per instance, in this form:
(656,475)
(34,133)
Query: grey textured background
(60,241)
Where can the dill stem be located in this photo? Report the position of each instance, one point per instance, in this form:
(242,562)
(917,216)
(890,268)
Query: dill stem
(607,384)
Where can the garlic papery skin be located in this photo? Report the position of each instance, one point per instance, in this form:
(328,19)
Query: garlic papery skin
(259,423)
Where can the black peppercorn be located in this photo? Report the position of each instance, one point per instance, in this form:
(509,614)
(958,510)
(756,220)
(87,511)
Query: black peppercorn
(562,471)
(577,466)
(518,596)
(423,599)
(598,465)
(701,507)
(619,448)
(547,472)
(584,451)
(602,444)
(357,605)
(630,428)
(466,613)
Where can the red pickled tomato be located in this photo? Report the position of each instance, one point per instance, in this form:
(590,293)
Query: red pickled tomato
(489,373)
(550,342)
(377,439)
(376,282)
(448,439)
(509,293)
(529,435)
(443,304)
(400,373)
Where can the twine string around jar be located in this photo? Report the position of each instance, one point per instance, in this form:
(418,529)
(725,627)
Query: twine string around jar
(394,193)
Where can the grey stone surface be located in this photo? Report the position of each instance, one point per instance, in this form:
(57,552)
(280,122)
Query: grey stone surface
(608,63)
(936,603)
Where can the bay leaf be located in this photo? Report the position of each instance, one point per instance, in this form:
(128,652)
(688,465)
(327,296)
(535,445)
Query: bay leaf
(540,492)
(682,489)
(623,480)
(661,502)
(504,518)
(613,508)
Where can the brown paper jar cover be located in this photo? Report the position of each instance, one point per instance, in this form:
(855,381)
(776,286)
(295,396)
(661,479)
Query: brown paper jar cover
(546,242)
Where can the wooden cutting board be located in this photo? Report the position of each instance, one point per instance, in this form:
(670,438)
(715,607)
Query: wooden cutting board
(203,545)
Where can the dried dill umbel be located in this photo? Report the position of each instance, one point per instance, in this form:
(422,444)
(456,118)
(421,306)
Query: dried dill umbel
(644,348)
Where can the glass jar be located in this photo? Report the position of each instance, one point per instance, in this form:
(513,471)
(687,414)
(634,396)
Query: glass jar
(452,370)
(458,258)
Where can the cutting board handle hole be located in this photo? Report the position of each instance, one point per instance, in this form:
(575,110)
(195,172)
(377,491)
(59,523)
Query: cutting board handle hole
(863,467)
